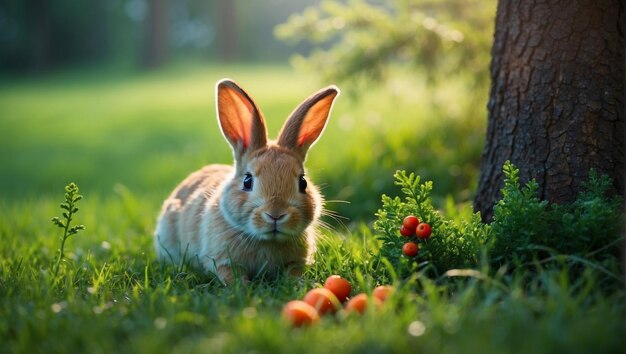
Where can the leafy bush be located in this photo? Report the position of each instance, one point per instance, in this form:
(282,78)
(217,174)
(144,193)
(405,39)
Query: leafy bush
(525,227)
(360,40)
(451,245)
(520,218)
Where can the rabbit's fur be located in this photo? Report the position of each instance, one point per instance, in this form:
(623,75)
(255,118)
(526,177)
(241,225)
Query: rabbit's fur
(257,217)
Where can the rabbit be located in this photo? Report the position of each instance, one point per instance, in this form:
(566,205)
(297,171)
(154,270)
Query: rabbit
(259,216)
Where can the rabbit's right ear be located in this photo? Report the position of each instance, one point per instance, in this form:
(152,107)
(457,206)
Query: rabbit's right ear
(239,118)
(307,121)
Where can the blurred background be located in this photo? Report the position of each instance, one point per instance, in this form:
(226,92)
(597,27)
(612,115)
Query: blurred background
(118,95)
(41,35)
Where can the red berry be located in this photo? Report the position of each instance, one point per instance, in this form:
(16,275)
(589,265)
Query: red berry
(323,300)
(410,249)
(299,313)
(406,232)
(410,222)
(423,231)
(339,286)
(360,303)
(382,292)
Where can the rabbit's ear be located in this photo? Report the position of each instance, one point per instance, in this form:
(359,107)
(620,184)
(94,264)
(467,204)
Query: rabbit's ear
(240,119)
(307,121)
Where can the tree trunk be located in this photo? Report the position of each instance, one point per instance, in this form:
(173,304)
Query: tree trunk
(39,29)
(556,107)
(155,40)
(227,30)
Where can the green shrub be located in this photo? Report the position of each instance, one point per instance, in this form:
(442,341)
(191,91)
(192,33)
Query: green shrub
(527,228)
(520,219)
(525,231)
(451,245)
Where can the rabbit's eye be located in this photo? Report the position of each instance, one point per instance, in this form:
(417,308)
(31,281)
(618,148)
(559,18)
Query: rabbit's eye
(247,182)
(302,184)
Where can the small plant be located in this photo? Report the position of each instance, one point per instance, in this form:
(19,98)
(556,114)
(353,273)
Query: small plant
(520,219)
(69,206)
(451,244)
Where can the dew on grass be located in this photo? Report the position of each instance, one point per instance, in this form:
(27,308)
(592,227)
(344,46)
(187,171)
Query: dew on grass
(105,245)
(249,312)
(160,323)
(416,328)
(101,308)
(58,306)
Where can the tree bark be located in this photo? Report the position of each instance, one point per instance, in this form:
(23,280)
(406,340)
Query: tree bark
(556,107)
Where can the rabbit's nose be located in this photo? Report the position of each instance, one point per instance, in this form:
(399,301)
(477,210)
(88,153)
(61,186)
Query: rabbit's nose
(272,218)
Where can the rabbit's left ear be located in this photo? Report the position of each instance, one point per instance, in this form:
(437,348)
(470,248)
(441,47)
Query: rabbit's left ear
(239,118)
(307,121)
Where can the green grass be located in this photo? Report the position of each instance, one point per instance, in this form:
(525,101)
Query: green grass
(147,131)
(127,141)
(114,298)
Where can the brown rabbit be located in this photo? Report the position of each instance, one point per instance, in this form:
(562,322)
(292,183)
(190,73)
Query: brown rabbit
(258,216)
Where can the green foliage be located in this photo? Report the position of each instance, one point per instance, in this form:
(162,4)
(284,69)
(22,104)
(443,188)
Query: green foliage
(525,227)
(418,68)
(451,245)
(69,206)
(361,40)
(595,218)
(520,218)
